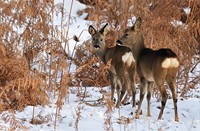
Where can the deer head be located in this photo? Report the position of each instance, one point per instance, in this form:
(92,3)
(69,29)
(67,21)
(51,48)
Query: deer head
(131,35)
(98,37)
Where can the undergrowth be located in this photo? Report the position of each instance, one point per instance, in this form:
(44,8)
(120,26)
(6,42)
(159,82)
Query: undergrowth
(35,58)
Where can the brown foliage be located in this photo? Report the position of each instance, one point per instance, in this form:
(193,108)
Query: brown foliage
(33,60)
(18,86)
(90,71)
(31,54)
(14,123)
(160,28)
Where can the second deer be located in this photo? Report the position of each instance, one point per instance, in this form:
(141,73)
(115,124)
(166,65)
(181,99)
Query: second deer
(153,66)
(122,62)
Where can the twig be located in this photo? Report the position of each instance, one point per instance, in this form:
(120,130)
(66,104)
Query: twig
(194,67)
(84,94)
(68,23)
(74,50)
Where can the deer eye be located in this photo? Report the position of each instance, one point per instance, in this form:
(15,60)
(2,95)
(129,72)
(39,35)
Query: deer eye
(101,39)
(126,35)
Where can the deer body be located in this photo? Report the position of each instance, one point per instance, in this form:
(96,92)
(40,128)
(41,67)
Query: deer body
(153,66)
(122,62)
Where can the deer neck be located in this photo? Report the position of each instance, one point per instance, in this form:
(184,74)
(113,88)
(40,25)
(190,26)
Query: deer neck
(138,46)
(102,54)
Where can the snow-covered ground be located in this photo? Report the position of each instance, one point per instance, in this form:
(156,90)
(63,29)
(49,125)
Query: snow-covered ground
(92,113)
(77,25)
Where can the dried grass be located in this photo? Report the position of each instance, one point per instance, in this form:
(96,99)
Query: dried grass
(14,123)
(19,86)
(160,29)
(32,58)
(33,61)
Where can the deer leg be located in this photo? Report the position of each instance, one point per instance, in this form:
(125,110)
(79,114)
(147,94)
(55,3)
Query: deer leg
(131,73)
(123,85)
(118,85)
(121,82)
(143,89)
(112,85)
(164,100)
(149,89)
(174,95)
(124,88)
(172,86)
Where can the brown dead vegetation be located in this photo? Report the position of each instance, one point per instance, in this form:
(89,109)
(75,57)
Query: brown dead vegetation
(33,61)
(161,28)
(25,32)
(31,46)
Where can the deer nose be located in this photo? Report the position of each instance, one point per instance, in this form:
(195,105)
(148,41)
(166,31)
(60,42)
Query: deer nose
(96,46)
(119,42)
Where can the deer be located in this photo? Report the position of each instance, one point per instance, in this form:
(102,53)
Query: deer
(152,66)
(121,62)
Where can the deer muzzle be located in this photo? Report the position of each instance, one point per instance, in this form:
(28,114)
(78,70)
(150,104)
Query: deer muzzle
(119,42)
(96,46)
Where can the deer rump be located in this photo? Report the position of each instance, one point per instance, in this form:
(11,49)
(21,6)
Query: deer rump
(150,62)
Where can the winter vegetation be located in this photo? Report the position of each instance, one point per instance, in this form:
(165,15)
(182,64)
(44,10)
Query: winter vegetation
(51,78)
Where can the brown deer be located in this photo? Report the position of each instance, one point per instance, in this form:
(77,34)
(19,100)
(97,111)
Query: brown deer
(122,62)
(153,66)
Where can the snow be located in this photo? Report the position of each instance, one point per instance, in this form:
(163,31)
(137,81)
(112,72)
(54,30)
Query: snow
(77,24)
(93,114)
(176,23)
(187,10)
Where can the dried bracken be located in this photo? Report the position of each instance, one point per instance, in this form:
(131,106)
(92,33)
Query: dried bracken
(34,62)
(166,24)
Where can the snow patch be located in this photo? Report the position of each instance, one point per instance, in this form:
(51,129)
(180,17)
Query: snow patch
(187,10)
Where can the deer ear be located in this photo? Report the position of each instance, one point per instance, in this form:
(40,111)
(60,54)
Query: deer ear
(91,30)
(103,29)
(137,24)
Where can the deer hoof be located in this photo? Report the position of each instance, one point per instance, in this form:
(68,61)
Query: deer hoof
(137,117)
(176,119)
(149,115)
(117,106)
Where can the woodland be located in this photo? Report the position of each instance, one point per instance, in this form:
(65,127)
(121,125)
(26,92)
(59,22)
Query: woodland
(35,54)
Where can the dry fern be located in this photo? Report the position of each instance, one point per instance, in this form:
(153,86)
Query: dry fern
(9,117)
(24,91)
(160,27)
